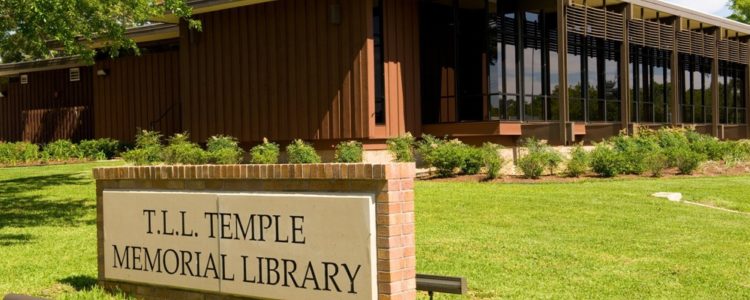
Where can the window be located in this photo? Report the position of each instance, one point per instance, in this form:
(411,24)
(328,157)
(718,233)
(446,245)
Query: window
(593,79)
(695,89)
(377,20)
(732,106)
(650,82)
(524,79)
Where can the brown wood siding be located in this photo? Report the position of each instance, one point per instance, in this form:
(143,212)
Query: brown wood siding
(279,70)
(138,92)
(48,108)
(402,87)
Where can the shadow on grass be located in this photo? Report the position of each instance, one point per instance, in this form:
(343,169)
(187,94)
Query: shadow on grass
(25,202)
(14,239)
(79,282)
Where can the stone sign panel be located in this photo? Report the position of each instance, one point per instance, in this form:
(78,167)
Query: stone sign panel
(260,245)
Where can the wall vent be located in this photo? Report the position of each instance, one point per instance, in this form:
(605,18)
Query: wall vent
(75,74)
(24,79)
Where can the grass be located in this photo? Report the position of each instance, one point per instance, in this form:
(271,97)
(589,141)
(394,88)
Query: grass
(48,231)
(593,239)
(596,239)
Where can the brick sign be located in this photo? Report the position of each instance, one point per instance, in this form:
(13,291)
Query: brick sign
(263,245)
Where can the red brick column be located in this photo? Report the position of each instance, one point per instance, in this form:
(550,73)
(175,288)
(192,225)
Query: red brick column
(392,185)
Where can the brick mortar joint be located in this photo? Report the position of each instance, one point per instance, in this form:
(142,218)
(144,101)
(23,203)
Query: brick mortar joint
(362,171)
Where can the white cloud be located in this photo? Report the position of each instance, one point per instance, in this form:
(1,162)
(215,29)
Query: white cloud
(717,7)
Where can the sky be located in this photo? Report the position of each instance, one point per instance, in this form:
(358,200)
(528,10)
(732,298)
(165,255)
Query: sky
(715,7)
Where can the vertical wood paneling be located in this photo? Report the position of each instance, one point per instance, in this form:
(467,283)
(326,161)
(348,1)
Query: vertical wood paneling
(138,92)
(48,108)
(280,70)
(401,42)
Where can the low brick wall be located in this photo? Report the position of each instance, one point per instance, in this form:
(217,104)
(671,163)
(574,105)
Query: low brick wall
(392,184)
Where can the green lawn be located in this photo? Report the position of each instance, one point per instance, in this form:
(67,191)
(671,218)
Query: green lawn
(597,239)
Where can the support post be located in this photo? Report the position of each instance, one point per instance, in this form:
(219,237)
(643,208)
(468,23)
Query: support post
(562,60)
(625,99)
(675,62)
(715,83)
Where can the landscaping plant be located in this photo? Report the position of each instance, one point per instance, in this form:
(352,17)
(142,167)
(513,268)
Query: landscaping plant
(426,148)
(578,163)
(265,153)
(181,150)
(402,148)
(606,161)
(224,150)
(300,152)
(539,157)
(656,162)
(99,149)
(147,150)
(687,160)
(493,162)
(449,157)
(349,152)
(62,150)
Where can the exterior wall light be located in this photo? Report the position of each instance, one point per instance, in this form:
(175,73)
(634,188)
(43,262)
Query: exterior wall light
(102,72)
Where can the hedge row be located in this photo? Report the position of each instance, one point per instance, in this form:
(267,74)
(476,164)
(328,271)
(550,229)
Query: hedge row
(62,150)
(651,151)
(149,149)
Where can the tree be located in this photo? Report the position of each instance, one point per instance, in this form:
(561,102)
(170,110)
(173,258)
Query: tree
(37,29)
(740,10)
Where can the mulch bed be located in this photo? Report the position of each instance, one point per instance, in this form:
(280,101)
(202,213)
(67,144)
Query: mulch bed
(709,169)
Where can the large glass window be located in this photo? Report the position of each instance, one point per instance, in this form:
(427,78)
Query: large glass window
(650,83)
(695,89)
(732,106)
(498,65)
(593,79)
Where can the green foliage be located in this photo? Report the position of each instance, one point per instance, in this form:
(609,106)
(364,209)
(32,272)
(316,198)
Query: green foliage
(634,152)
(148,149)
(493,162)
(736,151)
(402,148)
(426,148)
(656,162)
(36,29)
(687,160)
(578,163)
(224,150)
(181,151)
(62,150)
(473,160)
(99,149)
(349,152)
(606,161)
(532,165)
(449,157)
(740,10)
(539,156)
(266,153)
(20,152)
(300,152)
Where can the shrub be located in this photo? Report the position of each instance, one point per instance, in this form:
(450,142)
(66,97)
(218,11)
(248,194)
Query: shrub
(426,148)
(402,148)
(448,157)
(656,162)
(540,155)
(148,149)
(300,152)
(181,151)
(707,145)
(532,165)
(224,150)
(20,152)
(606,161)
(99,148)
(492,159)
(687,160)
(266,153)
(736,151)
(349,152)
(578,163)
(61,150)
(633,151)
(473,160)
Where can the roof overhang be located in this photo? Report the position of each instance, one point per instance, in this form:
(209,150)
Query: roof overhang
(205,6)
(13,69)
